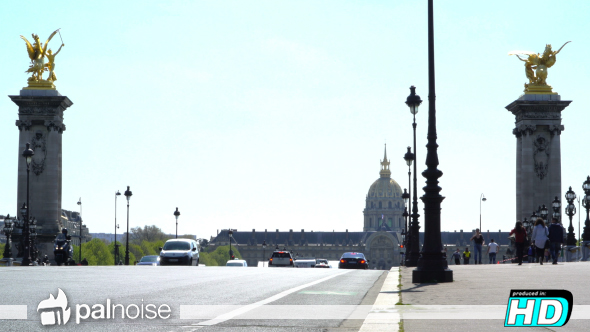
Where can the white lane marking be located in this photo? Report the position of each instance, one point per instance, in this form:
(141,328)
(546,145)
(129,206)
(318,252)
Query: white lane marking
(13,312)
(246,308)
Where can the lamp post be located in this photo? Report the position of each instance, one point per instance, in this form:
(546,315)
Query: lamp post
(116,226)
(176,214)
(481,199)
(263,252)
(432,265)
(80,204)
(28,154)
(570,210)
(586,205)
(230,233)
(406,198)
(413,101)
(128,195)
(544,213)
(8,228)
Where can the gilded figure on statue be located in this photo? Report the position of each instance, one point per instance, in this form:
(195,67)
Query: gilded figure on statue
(38,52)
(536,66)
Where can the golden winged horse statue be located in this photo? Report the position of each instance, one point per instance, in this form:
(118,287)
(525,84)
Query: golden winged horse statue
(37,53)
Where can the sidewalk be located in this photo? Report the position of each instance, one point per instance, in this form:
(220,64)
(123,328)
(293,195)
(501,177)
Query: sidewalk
(478,286)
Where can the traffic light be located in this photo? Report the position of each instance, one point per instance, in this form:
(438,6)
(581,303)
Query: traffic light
(402,246)
(233,257)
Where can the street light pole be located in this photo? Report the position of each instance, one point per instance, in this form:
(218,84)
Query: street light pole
(176,214)
(229,233)
(432,265)
(413,101)
(570,210)
(586,205)
(263,252)
(28,155)
(128,195)
(481,199)
(80,204)
(116,226)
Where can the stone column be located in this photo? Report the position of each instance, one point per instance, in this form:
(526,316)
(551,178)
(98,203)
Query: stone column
(40,122)
(538,150)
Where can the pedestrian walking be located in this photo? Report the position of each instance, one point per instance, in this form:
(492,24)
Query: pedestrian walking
(531,254)
(493,249)
(479,241)
(540,238)
(466,255)
(555,238)
(519,240)
(457,257)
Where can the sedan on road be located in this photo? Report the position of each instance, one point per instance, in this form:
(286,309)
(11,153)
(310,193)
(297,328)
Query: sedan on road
(353,260)
(149,260)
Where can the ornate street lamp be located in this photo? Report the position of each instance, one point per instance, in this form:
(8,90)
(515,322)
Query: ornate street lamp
(128,195)
(176,214)
(586,205)
(481,199)
(28,154)
(406,198)
(8,228)
(116,226)
(263,252)
(556,206)
(570,210)
(432,265)
(544,213)
(80,204)
(413,101)
(230,233)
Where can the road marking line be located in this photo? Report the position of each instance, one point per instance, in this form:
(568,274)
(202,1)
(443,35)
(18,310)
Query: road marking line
(13,312)
(246,308)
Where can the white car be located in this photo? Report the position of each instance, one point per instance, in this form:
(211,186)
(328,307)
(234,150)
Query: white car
(180,252)
(305,262)
(237,262)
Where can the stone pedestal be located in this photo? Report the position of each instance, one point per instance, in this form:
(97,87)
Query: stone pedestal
(40,122)
(538,150)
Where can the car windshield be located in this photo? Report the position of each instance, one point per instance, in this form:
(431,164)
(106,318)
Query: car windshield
(281,254)
(319,261)
(234,264)
(177,245)
(151,259)
(353,255)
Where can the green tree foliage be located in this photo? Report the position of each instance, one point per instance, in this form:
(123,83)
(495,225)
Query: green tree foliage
(218,257)
(147,233)
(96,252)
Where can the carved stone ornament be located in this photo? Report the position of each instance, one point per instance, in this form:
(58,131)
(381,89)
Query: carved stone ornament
(538,115)
(541,156)
(38,144)
(524,130)
(56,126)
(555,130)
(24,124)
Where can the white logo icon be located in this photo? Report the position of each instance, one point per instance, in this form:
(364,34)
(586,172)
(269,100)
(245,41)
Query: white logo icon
(59,304)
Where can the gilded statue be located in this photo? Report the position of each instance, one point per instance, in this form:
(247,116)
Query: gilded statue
(38,52)
(535,66)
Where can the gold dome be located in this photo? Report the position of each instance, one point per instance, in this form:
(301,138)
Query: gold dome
(385,187)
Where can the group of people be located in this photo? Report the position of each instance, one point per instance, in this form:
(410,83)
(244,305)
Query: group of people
(479,241)
(543,238)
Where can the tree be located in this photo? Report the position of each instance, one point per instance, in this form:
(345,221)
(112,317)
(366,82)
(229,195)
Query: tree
(147,233)
(95,251)
(218,257)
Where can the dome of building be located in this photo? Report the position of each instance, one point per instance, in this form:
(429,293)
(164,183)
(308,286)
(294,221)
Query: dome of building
(385,187)
(384,204)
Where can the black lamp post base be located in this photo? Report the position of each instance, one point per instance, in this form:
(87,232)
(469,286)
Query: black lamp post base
(412,259)
(423,276)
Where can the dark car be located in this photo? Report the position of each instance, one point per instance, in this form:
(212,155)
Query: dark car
(353,260)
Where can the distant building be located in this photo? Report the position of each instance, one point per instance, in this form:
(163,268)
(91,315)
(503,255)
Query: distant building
(71,220)
(380,239)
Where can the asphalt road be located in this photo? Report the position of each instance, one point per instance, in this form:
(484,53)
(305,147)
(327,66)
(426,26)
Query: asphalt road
(195,296)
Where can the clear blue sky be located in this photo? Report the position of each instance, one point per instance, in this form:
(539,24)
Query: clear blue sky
(273,114)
